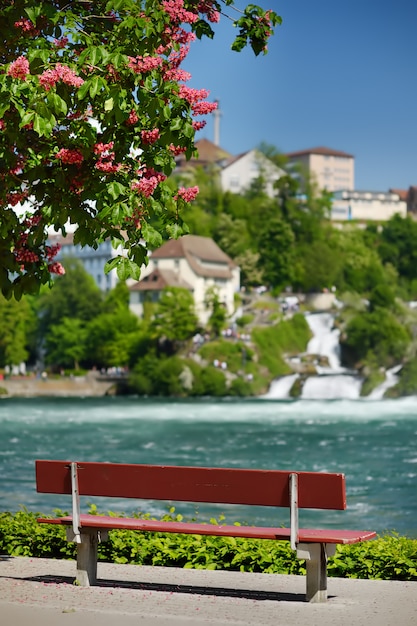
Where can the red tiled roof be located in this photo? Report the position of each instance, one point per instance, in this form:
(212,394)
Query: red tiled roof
(401,193)
(158,280)
(319,150)
(197,250)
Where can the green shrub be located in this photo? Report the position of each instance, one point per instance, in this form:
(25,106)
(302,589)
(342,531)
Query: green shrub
(389,557)
(246,319)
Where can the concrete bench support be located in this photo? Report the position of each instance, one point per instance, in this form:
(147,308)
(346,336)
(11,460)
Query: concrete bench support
(316,555)
(87,554)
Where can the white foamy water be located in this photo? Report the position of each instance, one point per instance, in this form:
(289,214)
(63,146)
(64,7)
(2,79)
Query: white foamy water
(373,443)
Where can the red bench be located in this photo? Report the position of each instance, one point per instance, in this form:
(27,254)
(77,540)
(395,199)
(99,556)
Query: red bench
(294,490)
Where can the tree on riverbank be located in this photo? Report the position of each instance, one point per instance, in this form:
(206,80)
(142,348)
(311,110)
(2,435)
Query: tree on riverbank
(93,110)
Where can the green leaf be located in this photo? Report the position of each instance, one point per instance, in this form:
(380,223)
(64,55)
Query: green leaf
(151,236)
(110,265)
(115,189)
(94,86)
(57,103)
(109,104)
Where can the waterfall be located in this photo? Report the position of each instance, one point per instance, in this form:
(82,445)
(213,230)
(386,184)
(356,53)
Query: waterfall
(391,379)
(280,388)
(332,381)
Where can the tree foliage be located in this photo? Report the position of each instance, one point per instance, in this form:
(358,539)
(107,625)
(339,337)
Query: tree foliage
(93,110)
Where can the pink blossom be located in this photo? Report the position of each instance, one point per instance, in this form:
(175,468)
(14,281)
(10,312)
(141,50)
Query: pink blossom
(199,125)
(52,251)
(146,186)
(49,78)
(176,74)
(206,7)
(70,156)
(61,43)
(202,108)
(176,150)
(15,197)
(19,68)
(177,13)
(142,64)
(23,255)
(108,167)
(148,182)
(133,118)
(150,136)
(56,268)
(188,194)
(2,125)
(192,95)
(104,149)
(26,26)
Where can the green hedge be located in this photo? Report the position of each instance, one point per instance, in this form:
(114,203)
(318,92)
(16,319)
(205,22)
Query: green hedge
(389,557)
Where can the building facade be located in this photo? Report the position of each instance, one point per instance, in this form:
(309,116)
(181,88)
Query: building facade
(367,205)
(330,169)
(93,260)
(194,263)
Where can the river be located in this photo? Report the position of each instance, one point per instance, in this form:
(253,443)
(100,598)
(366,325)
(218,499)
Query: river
(373,442)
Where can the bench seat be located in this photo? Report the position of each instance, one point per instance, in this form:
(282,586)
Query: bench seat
(305,535)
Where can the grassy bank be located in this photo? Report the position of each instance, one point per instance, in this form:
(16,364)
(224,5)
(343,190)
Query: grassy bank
(389,557)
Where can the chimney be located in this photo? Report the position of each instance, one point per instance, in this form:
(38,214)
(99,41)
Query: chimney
(216,115)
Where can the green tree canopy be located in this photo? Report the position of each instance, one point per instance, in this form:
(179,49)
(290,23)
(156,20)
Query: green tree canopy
(93,110)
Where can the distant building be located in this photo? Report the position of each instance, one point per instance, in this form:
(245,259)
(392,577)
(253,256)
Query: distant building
(366,205)
(209,156)
(410,197)
(194,263)
(331,169)
(238,174)
(92,260)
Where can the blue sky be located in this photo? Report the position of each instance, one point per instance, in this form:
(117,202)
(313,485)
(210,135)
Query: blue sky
(338,73)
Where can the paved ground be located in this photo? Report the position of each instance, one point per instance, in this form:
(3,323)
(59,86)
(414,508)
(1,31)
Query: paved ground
(39,592)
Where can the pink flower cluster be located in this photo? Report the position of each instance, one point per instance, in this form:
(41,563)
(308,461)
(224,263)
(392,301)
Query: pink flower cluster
(49,78)
(177,13)
(26,26)
(203,108)
(141,64)
(150,136)
(188,194)
(15,197)
(206,7)
(106,155)
(61,43)
(19,68)
(199,125)
(72,157)
(133,118)
(149,181)
(52,251)
(192,95)
(24,255)
(56,268)
(176,150)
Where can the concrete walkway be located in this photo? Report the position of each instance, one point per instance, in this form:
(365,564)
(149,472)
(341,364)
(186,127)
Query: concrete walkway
(39,592)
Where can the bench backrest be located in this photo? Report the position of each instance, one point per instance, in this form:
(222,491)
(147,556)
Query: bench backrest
(316,490)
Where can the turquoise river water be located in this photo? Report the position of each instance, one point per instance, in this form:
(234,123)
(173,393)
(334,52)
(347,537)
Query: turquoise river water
(373,442)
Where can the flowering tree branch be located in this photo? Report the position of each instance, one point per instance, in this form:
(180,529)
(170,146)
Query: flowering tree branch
(93,110)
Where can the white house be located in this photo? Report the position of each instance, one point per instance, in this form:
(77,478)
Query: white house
(367,205)
(239,173)
(194,263)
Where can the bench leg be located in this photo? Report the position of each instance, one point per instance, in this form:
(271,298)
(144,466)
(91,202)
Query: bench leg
(87,542)
(315,555)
